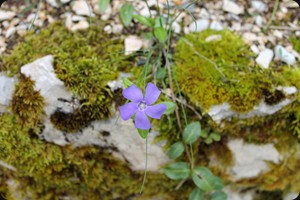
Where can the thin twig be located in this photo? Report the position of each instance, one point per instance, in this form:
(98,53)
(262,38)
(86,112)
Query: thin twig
(273,14)
(202,56)
(285,28)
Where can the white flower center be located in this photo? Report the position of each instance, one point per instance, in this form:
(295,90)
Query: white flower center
(142,106)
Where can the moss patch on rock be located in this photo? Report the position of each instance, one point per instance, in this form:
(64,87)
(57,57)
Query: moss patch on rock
(85,61)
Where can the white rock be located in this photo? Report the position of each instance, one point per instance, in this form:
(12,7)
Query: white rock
(288,90)
(213,38)
(234,194)
(65,1)
(77,18)
(6,15)
(7,87)
(176,27)
(254,49)
(232,7)
(278,34)
(259,6)
(251,159)
(82,25)
(108,29)
(282,54)
(50,87)
(68,22)
(53,3)
(132,43)
(215,25)
(106,133)
(199,25)
(264,58)
(117,28)
(82,7)
(223,111)
(258,20)
(291,196)
(249,37)
(10,31)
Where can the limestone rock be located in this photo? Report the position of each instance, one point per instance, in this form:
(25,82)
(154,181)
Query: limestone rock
(282,54)
(232,7)
(251,159)
(6,15)
(53,3)
(223,111)
(215,25)
(50,87)
(199,25)
(120,135)
(82,7)
(264,58)
(132,43)
(259,6)
(7,86)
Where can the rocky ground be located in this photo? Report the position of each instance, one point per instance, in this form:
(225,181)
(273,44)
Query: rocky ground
(251,19)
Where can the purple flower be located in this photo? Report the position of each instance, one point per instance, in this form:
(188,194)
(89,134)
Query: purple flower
(141,106)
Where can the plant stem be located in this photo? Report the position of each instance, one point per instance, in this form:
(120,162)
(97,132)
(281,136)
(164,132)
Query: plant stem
(273,14)
(167,65)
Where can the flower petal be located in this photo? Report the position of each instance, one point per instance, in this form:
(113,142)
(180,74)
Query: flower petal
(156,111)
(142,121)
(133,93)
(152,93)
(128,110)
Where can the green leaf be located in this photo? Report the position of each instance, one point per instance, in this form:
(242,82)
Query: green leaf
(191,132)
(103,4)
(126,13)
(143,133)
(176,150)
(159,22)
(219,195)
(161,34)
(144,20)
(177,171)
(204,133)
(215,136)
(170,107)
(196,194)
(208,140)
(161,73)
(126,82)
(218,184)
(203,178)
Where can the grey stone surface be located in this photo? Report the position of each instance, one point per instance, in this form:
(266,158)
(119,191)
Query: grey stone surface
(7,86)
(50,87)
(251,159)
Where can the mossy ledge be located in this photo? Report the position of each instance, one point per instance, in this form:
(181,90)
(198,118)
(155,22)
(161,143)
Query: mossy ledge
(85,61)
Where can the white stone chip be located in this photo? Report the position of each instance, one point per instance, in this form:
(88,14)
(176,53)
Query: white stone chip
(264,58)
(82,25)
(232,7)
(82,7)
(215,25)
(213,38)
(53,3)
(251,159)
(199,25)
(259,6)
(6,15)
(282,54)
(132,43)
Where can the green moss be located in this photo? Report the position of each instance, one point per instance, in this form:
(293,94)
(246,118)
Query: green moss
(85,61)
(296,43)
(234,78)
(47,171)
(27,103)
